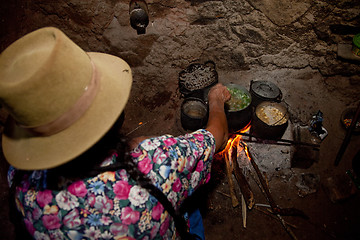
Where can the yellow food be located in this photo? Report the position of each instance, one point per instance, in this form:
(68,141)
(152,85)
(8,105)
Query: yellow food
(271,115)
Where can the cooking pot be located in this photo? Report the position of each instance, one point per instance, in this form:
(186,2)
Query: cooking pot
(194,113)
(240,117)
(270,120)
(196,80)
(264,91)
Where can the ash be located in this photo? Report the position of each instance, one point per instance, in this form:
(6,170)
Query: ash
(269,157)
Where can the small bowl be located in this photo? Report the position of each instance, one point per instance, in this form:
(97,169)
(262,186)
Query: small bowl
(346,119)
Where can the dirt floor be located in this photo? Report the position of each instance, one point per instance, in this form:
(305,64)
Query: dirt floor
(154,109)
(306,93)
(298,176)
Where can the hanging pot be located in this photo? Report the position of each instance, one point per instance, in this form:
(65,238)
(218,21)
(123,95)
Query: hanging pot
(238,114)
(194,113)
(270,120)
(264,91)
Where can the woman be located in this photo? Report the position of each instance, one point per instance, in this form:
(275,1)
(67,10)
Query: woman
(73,177)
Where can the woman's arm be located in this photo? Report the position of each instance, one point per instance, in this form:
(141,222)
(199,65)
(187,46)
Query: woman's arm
(217,122)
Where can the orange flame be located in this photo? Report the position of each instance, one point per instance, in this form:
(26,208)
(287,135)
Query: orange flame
(234,140)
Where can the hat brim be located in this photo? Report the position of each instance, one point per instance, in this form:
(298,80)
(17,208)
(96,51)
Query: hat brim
(28,152)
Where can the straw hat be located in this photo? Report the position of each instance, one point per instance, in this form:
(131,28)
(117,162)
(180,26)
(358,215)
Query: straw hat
(61,100)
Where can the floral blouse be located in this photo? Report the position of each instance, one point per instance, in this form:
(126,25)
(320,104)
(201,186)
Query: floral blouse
(111,205)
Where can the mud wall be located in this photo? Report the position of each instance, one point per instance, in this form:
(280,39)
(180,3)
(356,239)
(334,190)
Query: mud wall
(236,35)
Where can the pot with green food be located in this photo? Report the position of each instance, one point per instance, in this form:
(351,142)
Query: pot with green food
(238,109)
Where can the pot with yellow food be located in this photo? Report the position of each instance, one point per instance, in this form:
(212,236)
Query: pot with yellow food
(270,120)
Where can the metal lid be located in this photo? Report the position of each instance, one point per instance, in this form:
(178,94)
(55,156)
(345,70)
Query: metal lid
(265,89)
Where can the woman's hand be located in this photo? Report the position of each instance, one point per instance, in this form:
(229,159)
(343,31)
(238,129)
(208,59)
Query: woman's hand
(217,122)
(219,94)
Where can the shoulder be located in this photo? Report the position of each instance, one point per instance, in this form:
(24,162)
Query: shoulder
(167,139)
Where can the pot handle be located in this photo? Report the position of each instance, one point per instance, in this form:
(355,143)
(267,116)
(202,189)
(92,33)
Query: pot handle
(210,64)
(251,83)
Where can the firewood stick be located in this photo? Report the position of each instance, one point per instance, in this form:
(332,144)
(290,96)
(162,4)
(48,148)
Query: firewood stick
(287,229)
(241,180)
(274,207)
(243,209)
(269,141)
(234,200)
(224,194)
(270,214)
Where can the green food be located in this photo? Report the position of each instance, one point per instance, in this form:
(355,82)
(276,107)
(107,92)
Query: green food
(239,99)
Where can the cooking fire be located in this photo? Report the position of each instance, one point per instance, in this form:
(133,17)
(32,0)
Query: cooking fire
(241,164)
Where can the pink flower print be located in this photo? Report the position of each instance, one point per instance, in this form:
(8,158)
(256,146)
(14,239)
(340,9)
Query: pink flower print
(164,226)
(170,141)
(149,145)
(172,196)
(136,153)
(105,220)
(51,221)
(78,189)
(177,185)
(103,204)
(118,229)
(122,189)
(154,230)
(72,220)
(43,198)
(199,137)
(129,216)
(185,194)
(123,175)
(25,186)
(159,156)
(200,166)
(37,213)
(91,200)
(66,200)
(207,178)
(145,165)
(190,164)
(92,233)
(195,178)
(30,227)
(157,211)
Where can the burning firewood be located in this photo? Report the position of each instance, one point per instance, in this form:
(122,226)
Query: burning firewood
(241,179)
(229,169)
